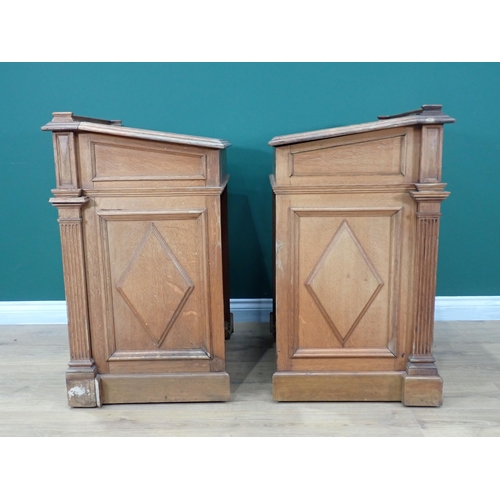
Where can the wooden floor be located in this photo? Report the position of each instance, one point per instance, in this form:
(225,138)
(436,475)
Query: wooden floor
(33,396)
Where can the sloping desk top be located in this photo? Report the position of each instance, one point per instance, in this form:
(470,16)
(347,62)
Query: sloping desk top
(429,114)
(69,121)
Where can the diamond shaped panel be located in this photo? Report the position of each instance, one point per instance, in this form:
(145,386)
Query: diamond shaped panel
(344,282)
(155,286)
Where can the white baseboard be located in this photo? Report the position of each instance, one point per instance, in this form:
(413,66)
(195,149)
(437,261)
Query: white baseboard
(44,312)
(54,312)
(467,308)
(250,310)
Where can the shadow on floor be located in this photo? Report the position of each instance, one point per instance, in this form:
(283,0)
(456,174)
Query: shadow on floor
(250,354)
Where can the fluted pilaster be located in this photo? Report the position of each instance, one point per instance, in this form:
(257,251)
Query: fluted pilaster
(80,376)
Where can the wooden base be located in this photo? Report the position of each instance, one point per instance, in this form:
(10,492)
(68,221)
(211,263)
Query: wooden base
(337,386)
(344,386)
(422,391)
(165,388)
(82,387)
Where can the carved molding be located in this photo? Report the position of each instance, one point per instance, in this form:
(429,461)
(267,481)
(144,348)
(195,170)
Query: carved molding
(172,354)
(311,353)
(341,188)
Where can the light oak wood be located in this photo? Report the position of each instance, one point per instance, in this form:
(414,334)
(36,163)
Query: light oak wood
(140,214)
(356,228)
(33,401)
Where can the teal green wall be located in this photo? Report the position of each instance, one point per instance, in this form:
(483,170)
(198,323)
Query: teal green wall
(247,104)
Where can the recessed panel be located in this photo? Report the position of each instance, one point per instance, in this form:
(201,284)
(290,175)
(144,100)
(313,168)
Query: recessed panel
(117,162)
(156,284)
(371,157)
(346,291)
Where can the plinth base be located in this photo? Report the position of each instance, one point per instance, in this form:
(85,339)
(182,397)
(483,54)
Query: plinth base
(422,391)
(83,387)
(346,386)
(165,388)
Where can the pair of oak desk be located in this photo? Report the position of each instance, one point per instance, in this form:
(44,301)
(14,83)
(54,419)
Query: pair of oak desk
(143,221)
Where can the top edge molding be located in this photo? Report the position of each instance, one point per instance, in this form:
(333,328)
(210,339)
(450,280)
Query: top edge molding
(68,121)
(428,114)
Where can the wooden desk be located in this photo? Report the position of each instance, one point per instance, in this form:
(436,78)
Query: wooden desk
(142,216)
(357,213)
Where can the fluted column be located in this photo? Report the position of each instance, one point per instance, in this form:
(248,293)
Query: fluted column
(421,369)
(81,374)
(423,386)
(428,215)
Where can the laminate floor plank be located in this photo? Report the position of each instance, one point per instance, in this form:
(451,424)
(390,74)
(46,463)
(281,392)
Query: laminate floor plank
(466,422)
(33,393)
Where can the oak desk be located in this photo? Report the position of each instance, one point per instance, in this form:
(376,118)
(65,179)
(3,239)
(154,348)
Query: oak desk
(142,217)
(357,213)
